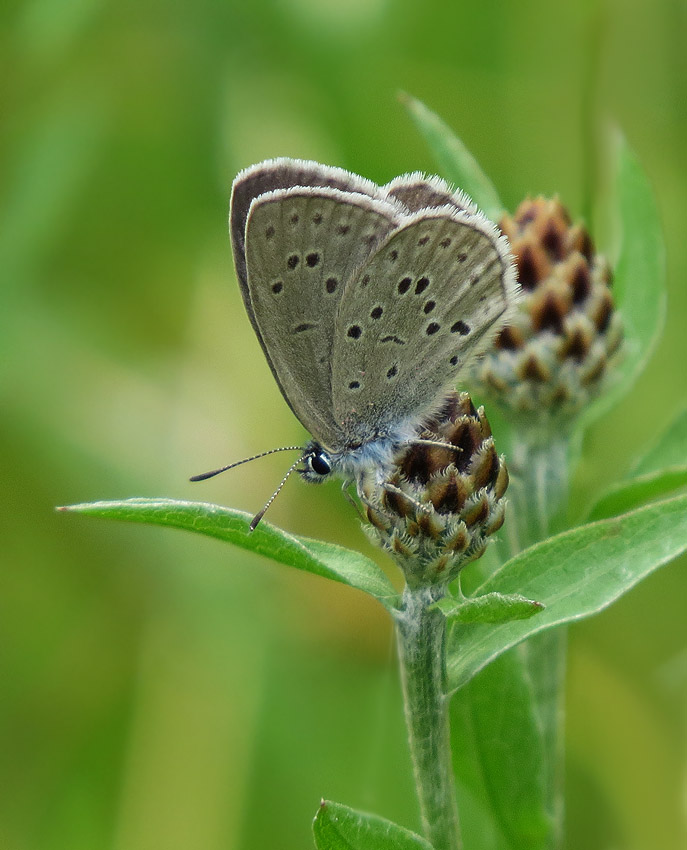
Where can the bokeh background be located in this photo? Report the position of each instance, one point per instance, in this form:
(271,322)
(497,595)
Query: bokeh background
(162,690)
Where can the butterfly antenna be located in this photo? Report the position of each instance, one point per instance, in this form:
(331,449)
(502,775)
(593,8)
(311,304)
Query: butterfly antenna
(260,514)
(204,475)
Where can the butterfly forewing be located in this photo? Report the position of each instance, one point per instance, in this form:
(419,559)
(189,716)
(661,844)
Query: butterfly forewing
(425,302)
(302,247)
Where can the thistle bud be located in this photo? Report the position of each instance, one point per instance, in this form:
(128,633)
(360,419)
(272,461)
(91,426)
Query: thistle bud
(437,508)
(555,354)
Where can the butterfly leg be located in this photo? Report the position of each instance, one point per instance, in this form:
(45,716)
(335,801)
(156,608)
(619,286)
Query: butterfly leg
(438,443)
(389,488)
(344,489)
(420,506)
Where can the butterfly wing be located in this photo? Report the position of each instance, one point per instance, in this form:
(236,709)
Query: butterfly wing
(427,301)
(282,173)
(302,245)
(418,192)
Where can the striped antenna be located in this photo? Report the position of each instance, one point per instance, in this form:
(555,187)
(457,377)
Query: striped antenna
(204,475)
(260,514)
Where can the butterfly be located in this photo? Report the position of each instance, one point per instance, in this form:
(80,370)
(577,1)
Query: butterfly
(368,301)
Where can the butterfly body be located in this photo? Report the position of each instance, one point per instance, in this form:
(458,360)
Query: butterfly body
(354,461)
(368,301)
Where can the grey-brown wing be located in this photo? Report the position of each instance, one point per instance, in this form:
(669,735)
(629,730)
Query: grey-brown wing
(303,246)
(283,173)
(426,302)
(418,192)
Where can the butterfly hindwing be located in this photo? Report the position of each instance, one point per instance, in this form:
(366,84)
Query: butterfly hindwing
(418,192)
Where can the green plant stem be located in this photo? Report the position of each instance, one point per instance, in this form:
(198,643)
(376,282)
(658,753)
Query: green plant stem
(538,489)
(538,462)
(420,634)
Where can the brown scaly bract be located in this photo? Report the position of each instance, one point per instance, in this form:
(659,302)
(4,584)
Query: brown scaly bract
(554,355)
(451,501)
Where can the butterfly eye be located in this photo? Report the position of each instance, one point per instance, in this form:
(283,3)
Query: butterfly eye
(319,463)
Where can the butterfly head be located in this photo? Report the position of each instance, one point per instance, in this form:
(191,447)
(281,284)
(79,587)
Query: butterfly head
(355,457)
(318,463)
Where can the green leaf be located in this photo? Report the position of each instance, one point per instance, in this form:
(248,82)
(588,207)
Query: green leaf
(575,574)
(658,474)
(669,450)
(337,827)
(455,162)
(500,760)
(312,556)
(489,608)
(629,495)
(639,284)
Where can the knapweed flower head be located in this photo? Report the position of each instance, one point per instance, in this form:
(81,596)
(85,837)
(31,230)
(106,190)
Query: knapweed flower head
(436,510)
(555,354)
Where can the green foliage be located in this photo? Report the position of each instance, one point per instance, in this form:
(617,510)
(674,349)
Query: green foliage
(489,608)
(645,488)
(499,755)
(669,449)
(505,663)
(312,556)
(661,471)
(529,679)
(337,827)
(639,287)
(454,160)
(155,694)
(574,574)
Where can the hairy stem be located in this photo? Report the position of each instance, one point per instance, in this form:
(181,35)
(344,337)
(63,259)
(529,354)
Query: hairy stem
(539,496)
(420,634)
(539,487)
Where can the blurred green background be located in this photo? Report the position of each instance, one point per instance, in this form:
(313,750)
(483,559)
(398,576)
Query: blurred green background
(160,690)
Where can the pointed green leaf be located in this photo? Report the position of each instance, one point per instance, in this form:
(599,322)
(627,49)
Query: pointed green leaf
(500,760)
(337,827)
(657,475)
(454,160)
(669,450)
(633,494)
(639,280)
(312,556)
(575,574)
(489,608)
